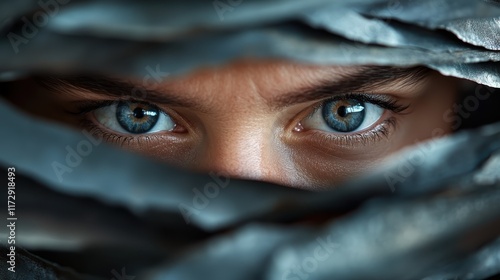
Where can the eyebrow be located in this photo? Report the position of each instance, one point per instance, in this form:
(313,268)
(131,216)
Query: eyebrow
(365,79)
(114,88)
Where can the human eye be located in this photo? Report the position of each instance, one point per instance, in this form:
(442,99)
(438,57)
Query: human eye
(127,119)
(352,116)
(131,117)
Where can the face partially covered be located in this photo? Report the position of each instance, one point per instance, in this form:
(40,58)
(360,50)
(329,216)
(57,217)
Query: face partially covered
(296,125)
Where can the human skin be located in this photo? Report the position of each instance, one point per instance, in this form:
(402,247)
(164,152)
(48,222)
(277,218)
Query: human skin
(251,119)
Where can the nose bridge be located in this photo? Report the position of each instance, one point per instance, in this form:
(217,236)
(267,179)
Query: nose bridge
(237,151)
(238,146)
(238,138)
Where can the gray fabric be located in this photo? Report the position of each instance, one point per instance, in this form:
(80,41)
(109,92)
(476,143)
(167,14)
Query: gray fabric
(120,212)
(159,33)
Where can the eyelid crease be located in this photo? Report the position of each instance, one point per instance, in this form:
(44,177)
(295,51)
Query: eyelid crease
(384,101)
(84,107)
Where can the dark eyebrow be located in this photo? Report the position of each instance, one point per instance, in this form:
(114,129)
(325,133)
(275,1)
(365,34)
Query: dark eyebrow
(114,88)
(366,79)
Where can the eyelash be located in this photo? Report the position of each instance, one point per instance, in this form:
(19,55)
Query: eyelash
(383,101)
(86,107)
(113,137)
(380,131)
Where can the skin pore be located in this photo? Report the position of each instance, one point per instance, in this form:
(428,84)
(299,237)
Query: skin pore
(296,125)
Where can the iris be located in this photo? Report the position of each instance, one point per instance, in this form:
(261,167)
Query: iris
(136,117)
(344,115)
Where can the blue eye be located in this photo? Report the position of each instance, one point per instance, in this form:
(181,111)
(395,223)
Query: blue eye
(134,118)
(343,116)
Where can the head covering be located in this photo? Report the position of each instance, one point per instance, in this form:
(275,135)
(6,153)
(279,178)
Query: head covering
(432,214)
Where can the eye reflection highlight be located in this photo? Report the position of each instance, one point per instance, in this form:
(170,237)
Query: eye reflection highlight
(347,114)
(130,117)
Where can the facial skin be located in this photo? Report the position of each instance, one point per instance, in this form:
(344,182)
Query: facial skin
(259,120)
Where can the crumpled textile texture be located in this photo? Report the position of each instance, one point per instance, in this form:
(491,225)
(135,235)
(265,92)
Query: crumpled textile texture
(170,33)
(434,213)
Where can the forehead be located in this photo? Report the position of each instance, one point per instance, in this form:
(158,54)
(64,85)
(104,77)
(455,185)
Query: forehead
(251,81)
(274,82)
(258,74)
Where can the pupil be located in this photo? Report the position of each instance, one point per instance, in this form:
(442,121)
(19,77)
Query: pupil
(342,111)
(344,115)
(138,113)
(136,117)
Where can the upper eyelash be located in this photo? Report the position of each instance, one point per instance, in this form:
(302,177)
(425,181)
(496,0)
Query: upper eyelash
(91,105)
(383,101)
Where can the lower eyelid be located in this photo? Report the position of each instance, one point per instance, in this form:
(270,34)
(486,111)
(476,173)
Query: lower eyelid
(388,105)
(386,114)
(381,130)
(122,140)
(100,131)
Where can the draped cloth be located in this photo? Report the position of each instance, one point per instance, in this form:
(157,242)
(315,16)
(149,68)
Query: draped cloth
(432,213)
